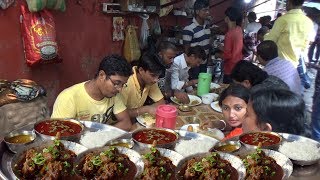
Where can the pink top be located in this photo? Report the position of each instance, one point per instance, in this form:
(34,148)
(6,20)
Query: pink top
(232,52)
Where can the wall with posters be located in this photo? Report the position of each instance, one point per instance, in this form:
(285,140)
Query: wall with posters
(84,36)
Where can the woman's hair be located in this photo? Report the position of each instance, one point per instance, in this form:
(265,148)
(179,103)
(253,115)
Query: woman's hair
(236,90)
(283,109)
(245,70)
(234,14)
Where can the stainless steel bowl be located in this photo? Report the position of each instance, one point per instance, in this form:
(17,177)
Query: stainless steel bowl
(143,146)
(273,146)
(74,137)
(16,146)
(128,143)
(185,108)
(235,144)
(192,120)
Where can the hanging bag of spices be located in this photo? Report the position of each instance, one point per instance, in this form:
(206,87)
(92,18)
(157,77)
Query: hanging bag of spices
(131,49)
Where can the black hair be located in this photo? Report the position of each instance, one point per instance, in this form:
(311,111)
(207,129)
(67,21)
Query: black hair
(115,65)
(200,4)
(283,109)
(245,70)
(236,90)
(151,63)
(164,45)
(252,15)
(234,14)
(297,2)
(263,30)
(198,52)
(267,50)
(268,18)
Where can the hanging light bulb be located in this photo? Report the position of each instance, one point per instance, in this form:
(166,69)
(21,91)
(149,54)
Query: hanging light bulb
(247,1)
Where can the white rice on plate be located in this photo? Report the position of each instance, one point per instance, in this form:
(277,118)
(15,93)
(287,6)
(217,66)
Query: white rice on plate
(193,146)
(300,150)
(98,138)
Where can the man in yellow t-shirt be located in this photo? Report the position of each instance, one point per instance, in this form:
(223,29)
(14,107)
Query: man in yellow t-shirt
(291,32)
(98,99)
(141,84)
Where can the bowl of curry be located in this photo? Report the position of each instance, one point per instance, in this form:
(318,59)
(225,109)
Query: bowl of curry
(268,140)
(159,137)
(69,129)
(17,139)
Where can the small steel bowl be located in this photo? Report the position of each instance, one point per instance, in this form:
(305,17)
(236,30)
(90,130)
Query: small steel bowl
(16,146)
(236,145)
(143,146)
(185,108)
(192,120)
(74,137)
(128,143)
(274,146)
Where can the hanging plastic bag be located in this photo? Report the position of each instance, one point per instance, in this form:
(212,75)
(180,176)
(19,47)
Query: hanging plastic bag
(131,47)
(38,5)
(156,29)
(39,37)
(144,31)
(4,4)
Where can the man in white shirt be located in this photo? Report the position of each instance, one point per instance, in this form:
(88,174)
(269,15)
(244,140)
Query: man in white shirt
(252,26)
(181,65)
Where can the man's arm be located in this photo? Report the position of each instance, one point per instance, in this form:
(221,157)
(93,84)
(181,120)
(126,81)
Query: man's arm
(124,121)
(175,81)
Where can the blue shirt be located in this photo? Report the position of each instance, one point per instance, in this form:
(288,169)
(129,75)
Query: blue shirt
(286,71)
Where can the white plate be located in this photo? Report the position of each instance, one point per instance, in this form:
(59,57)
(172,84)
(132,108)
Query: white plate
(215,106)
(141,119)
(214,86)
(191,97)
(212,132)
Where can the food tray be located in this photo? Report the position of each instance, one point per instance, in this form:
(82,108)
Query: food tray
(6,156)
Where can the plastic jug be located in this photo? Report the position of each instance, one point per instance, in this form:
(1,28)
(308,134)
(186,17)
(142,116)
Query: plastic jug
(166,116)
(204,81)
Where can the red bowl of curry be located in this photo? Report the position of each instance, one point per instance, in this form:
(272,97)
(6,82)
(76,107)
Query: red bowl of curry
(269,140)
(69,129)
(160,137)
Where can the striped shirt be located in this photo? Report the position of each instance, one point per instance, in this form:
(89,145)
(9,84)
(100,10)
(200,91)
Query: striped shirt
(197,35)
(286,71)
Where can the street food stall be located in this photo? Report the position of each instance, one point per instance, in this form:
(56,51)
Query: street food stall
(91,142)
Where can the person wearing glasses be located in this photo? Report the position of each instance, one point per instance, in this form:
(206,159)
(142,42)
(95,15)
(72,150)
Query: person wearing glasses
(143,83)
(98,99)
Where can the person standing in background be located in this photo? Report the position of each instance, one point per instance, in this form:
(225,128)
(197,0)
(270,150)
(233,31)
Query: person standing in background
(291,32)
(233,42)
(252,26)
(198,34)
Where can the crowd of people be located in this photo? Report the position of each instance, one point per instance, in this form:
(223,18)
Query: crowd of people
(268,98)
